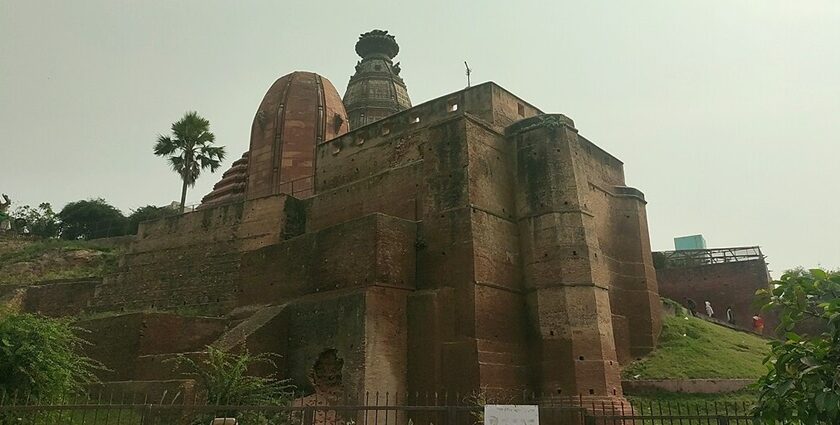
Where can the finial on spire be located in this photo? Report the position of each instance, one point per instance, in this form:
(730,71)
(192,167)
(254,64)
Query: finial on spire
(375,43)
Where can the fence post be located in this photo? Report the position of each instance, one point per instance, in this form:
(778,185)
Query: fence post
(146,415)
(722,420)
(308,415)
(451,415)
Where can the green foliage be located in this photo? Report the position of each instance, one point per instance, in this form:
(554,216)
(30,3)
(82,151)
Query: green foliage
(40,221)
(225,380)
(41,358)
(802,381)
(691,348)
(190,150)
(149,212)
(224,377)
(91,219)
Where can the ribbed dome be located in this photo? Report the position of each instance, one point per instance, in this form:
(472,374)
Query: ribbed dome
(299,111)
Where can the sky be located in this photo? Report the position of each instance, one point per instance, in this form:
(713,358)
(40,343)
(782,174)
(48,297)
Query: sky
(726,114)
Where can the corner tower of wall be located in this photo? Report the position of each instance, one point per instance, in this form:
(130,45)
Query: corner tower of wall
(565,275)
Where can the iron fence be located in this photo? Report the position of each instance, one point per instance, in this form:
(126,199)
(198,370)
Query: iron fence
(373,409)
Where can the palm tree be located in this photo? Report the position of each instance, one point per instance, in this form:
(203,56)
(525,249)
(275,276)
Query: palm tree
(190,150)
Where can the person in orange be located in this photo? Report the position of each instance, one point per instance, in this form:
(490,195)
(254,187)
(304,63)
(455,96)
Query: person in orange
(758,324)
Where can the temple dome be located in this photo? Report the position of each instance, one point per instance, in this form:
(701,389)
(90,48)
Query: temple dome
(299,111)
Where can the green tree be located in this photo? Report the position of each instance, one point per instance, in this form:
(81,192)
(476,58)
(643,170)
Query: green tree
(802,385)
(41,358)
(190,150)
(149,212)
(91,219)
(41,221)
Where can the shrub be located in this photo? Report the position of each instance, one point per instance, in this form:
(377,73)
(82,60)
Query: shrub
(41,358)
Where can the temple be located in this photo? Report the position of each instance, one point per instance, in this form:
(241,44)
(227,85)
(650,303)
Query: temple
(471,241)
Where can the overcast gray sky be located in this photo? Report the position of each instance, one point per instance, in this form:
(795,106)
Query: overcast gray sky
(725,113)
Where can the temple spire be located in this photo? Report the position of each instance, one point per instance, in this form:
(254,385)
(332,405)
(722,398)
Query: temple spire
(376,89)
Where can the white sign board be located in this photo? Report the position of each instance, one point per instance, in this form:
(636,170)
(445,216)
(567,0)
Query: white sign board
(511,414)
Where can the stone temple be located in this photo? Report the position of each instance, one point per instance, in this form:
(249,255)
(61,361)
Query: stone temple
(471,241)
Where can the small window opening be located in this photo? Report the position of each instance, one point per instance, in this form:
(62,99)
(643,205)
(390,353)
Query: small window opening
(415,120)
(452,107)
(385,130)
(521,109)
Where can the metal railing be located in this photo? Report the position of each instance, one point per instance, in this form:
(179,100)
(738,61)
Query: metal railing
(374,409)
(700,257)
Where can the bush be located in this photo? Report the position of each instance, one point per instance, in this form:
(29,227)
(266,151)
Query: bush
(802,384)
(224,378)
(41,358)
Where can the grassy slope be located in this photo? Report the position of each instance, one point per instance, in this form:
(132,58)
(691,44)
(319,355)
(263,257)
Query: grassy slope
(28,261)
(694,348)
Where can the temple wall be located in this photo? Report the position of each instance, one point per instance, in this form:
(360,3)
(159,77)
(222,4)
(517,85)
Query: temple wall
(118,342)
(374,250)
(191,261)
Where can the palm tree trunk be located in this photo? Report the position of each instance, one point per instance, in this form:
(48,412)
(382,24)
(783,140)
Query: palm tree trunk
(183,194)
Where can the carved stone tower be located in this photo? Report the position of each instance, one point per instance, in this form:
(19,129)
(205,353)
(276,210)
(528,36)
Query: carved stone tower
(376,90)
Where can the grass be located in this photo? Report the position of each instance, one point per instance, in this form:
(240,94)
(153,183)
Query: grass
(691,348)
(30,261)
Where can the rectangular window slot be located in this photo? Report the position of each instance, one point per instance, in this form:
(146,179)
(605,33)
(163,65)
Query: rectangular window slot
(521,109)
(452,107)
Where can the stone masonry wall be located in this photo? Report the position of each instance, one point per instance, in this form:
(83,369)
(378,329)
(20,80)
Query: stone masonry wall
(726,284)
(191,261)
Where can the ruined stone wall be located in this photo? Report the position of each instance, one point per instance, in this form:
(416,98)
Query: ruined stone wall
(64,298)
(726,284)
(121,342)
(191,261)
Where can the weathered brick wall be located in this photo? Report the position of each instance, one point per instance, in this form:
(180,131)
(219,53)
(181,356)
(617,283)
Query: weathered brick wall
(623,238)
(191,261)
(726,284)
(56,299)
(119,341)
(564,270)
(372,250)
